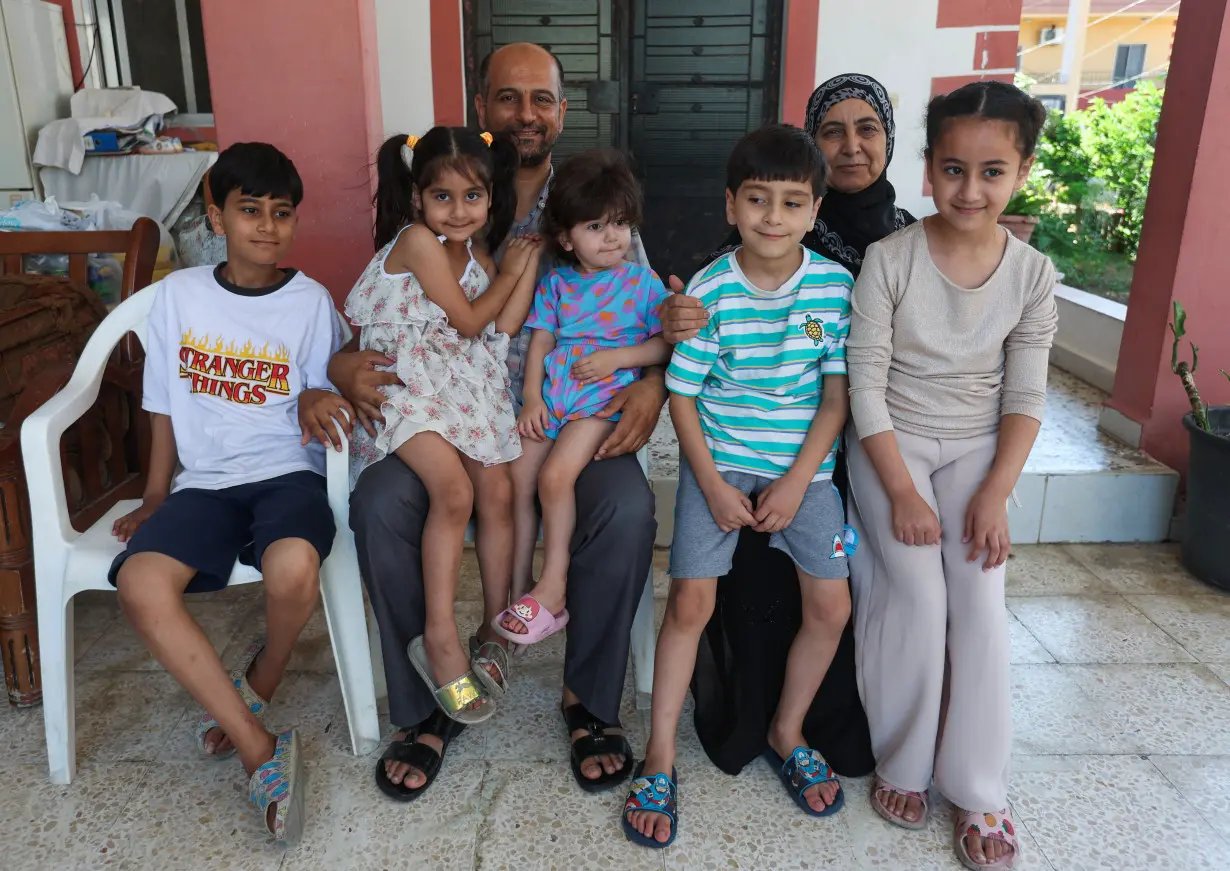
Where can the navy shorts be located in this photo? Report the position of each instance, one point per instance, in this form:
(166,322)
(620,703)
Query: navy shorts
(209,529)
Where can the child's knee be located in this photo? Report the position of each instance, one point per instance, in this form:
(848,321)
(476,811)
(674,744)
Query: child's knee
(690,604)
(141,587)
(455,501)
(497,495)
(827,607)
(291,570)
(555,480)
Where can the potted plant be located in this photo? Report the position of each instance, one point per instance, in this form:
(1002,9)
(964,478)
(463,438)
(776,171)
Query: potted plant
(1023,212)
(1206,525)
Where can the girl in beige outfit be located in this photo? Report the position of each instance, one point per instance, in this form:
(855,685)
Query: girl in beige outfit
(952,326)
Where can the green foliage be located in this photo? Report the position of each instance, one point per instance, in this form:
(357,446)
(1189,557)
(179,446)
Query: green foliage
(1089,186)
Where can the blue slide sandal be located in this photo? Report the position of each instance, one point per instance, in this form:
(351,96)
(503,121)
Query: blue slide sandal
(657,794)
(804,769)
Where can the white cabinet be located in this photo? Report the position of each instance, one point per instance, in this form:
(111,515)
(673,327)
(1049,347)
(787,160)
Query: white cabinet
(35,86)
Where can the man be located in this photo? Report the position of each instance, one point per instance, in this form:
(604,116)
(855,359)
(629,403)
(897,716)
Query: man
(520,92)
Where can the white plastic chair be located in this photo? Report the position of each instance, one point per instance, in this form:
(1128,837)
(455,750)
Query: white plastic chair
(67,562)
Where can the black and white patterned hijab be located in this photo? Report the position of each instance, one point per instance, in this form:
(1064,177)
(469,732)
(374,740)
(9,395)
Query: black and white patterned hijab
(849,222)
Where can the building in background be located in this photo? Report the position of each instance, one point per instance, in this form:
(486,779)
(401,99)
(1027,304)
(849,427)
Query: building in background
(1073,51)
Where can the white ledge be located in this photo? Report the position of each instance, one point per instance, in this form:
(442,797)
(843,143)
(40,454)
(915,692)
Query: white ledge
(1087,340)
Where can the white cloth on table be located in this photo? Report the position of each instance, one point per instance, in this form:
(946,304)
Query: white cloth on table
(62,143)
(158,186)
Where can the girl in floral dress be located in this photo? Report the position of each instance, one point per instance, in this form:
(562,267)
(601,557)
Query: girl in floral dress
(431,300)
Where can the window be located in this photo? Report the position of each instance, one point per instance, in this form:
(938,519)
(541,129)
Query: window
(1053,101)
(1129,64)
(158,45)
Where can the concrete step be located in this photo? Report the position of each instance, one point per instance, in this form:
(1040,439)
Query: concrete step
(1079,485)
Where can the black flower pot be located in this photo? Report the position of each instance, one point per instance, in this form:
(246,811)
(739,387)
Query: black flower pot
(1206,528)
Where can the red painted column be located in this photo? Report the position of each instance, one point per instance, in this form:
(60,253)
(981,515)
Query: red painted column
(1184,249)
(448,81)
(304,75)
(799,65)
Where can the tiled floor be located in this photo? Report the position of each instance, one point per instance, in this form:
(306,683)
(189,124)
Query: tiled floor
(1122,716)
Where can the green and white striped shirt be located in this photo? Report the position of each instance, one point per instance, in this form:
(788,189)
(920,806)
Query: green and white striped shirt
(757,367)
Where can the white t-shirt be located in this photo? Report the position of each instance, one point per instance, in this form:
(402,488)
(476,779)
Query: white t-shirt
(227,365)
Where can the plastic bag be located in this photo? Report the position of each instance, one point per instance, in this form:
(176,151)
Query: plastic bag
(34,215)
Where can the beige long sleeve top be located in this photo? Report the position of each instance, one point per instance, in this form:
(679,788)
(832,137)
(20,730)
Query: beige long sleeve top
(937,360)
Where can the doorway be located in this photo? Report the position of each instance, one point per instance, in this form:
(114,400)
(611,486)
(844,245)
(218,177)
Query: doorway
(673,83)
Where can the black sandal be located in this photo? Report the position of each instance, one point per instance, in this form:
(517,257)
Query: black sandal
(412,752)
(596,743)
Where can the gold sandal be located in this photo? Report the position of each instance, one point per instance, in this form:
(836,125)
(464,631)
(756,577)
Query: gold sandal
(457,698)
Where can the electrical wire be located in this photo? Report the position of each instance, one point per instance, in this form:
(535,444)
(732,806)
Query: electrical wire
(1124,82)
(1106,17)
(1142,24)
(89,63)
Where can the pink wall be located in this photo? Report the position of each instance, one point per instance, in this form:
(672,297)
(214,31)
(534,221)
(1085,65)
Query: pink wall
(303,75)
(1183,250)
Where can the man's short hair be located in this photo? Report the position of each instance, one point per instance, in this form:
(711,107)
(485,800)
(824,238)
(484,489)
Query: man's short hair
(255,169)
(484,70)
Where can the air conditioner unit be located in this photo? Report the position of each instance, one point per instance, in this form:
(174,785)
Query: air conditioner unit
(1050,35)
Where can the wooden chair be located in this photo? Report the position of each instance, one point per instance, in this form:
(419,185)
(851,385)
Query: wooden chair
(104,455)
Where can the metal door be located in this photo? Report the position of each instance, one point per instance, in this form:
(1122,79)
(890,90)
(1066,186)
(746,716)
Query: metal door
(673,82)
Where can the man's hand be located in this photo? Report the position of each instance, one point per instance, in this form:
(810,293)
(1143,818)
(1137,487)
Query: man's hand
(596,366)
(682,316)
(356,376)
(779,502)
(321,414)
(640,403)
(126,526)
(534,419)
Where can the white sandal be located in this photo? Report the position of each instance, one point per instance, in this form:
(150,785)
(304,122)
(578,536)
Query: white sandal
(257,705)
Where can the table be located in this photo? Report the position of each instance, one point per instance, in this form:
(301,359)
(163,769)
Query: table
(158,186)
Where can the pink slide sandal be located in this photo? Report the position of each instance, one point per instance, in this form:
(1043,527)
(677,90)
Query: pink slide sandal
(540,623)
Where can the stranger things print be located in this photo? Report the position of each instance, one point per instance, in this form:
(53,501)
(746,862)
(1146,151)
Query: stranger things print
(244,374)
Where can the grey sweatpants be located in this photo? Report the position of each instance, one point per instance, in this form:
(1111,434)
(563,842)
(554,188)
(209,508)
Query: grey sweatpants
(612,549)
(914,604)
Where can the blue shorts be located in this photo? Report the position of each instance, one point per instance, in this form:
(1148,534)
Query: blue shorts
(209,529)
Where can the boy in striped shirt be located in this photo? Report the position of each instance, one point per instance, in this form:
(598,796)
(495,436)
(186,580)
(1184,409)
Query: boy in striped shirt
(759,400)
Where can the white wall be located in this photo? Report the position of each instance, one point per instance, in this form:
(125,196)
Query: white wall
(897,42)
(403,29)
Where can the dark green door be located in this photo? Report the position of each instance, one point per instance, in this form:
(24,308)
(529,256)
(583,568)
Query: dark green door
(673,82)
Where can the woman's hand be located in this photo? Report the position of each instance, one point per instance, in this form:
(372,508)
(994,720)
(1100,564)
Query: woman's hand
(682,316)
(986,527)
(357,376)
(914,523)
(534,419)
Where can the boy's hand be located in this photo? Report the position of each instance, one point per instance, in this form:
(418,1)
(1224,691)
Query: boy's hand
(986,528)
(534,419)
(779,502)
(596,366)
(127,525)
(730,507)
(321,413)
(914,523)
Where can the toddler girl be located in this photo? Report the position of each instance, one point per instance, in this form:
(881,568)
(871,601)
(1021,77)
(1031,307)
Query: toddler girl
(432,301)
(952,325)
(595,323)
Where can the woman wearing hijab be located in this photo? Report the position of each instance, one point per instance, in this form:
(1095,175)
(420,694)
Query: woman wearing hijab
(741,663)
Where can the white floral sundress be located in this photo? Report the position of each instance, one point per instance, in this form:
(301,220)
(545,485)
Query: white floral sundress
(454,386)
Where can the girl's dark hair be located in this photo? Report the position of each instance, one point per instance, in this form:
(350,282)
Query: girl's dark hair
(493,166)
(777,152)
(588,186)
(994,101)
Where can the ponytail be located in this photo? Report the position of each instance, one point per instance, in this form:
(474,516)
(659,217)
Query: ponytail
(505,162)
(394,199)
(402,168)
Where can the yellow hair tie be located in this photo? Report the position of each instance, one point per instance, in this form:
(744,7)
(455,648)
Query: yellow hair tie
(411,141)
(487,137)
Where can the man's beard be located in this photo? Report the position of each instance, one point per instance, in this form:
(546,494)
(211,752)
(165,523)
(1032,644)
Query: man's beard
(534,154)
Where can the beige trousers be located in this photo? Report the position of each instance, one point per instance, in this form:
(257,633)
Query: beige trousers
(911,604)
